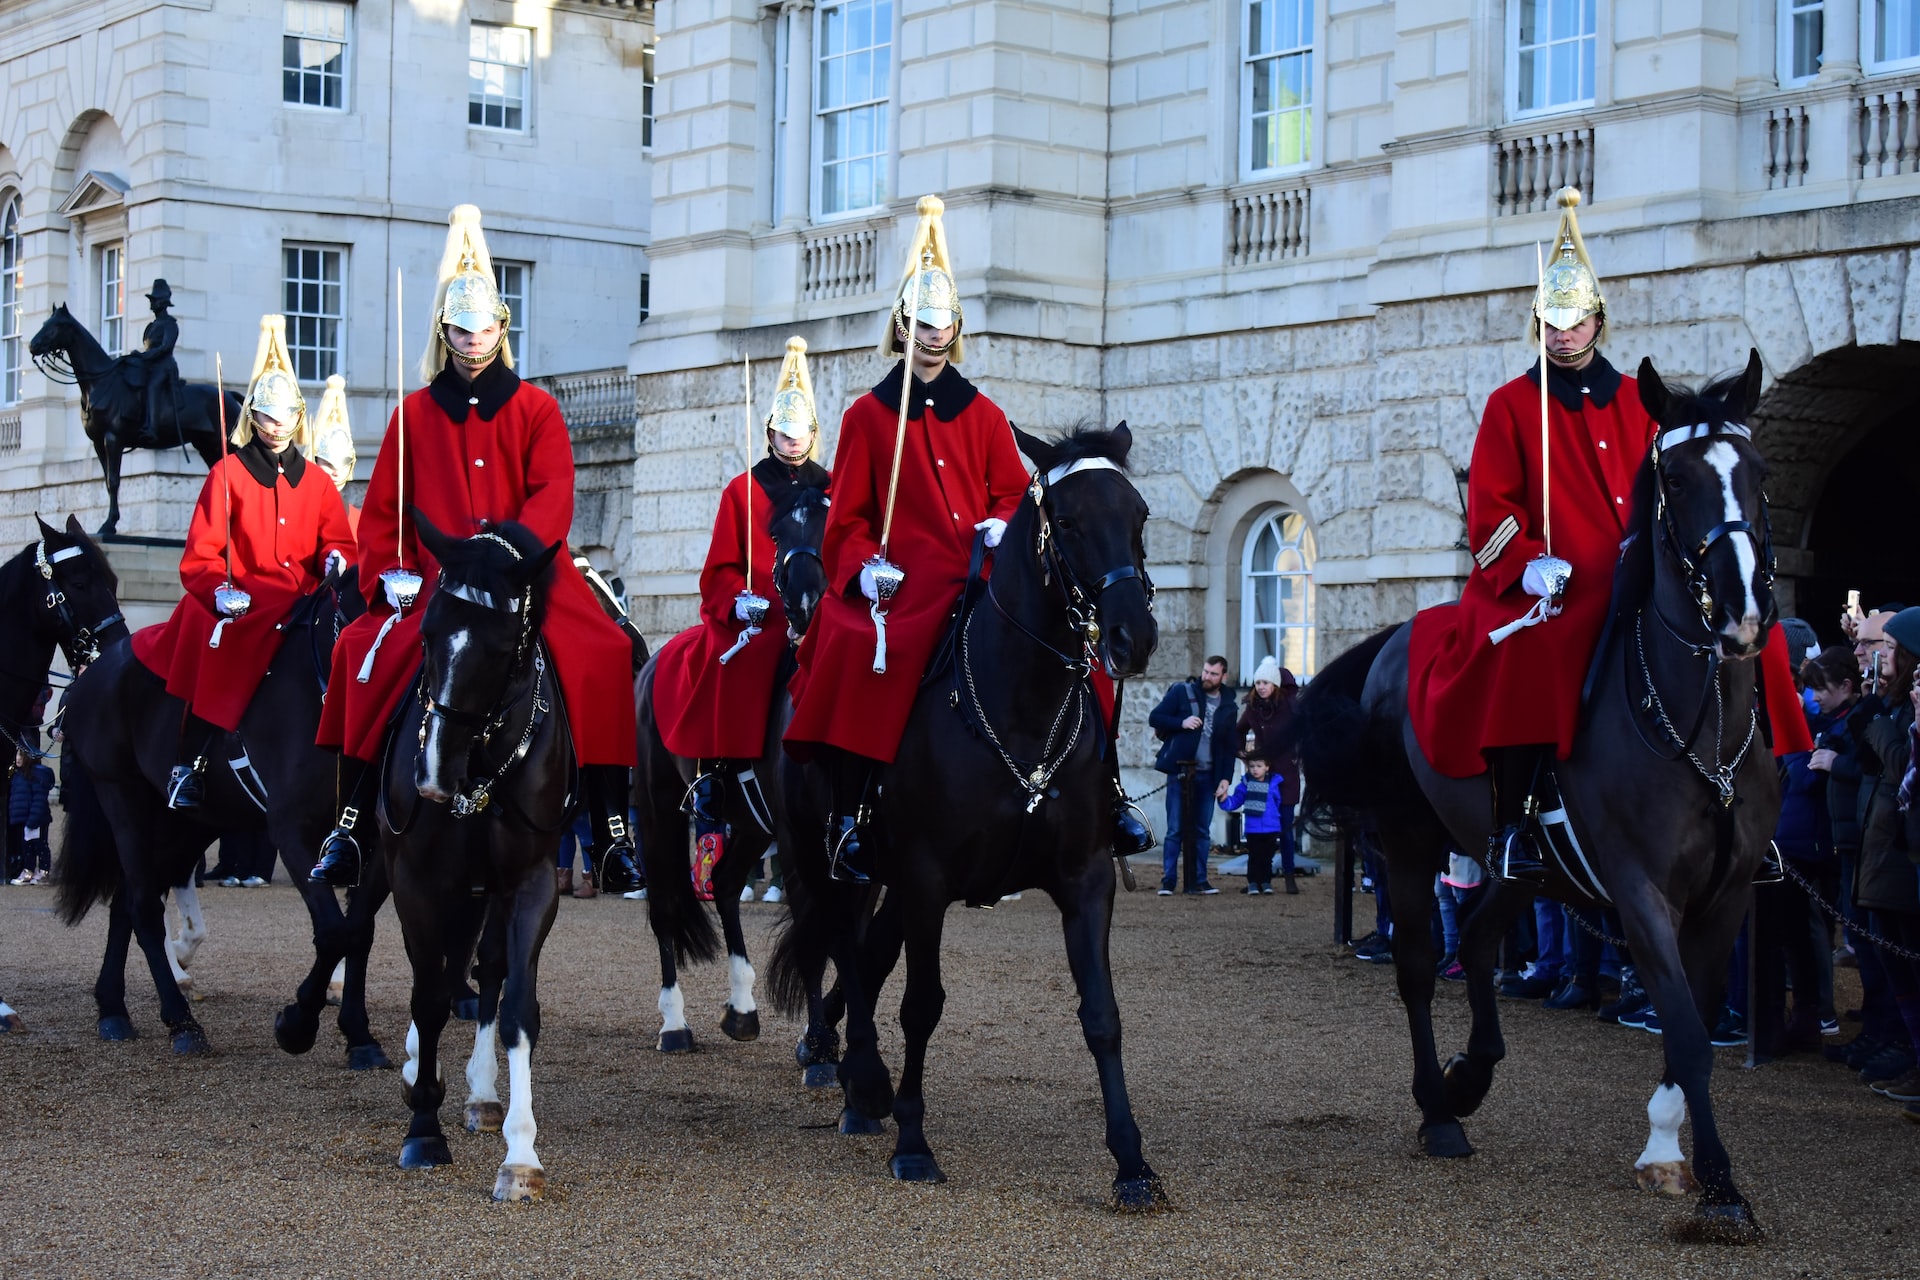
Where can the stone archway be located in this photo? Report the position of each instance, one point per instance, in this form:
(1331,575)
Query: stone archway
(1844,461)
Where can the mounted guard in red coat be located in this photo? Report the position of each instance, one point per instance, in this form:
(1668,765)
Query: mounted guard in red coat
(263,533)
(1495,678)
(713,684)
(912,485)
(480,446)
(333,442)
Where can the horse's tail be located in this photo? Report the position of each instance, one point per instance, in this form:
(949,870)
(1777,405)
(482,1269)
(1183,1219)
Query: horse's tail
(88,867)
(800,949)
(1348,769)
(678,918)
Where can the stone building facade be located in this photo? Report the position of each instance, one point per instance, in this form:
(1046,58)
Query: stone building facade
(293,155)
(1292,244)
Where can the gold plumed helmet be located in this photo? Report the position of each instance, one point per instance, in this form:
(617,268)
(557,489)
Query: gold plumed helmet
(466,294)
(332,434)
(927,286)
(273,389)
(793,414)
(1569,289)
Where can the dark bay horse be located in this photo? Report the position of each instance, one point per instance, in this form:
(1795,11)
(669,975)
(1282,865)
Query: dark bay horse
(125,847)
(1669,791)
(113,407)
(1001,783)
(57,593)
(797,525)
(477,782)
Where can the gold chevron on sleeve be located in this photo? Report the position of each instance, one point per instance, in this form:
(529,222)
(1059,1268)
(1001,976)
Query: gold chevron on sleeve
(1502,535)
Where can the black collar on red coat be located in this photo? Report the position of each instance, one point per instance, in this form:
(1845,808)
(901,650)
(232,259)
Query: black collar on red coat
(1598,382)
(489,391)
(778,479)
(950,393)
(265,466)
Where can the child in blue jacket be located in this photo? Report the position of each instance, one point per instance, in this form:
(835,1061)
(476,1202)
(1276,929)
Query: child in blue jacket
(1257,798)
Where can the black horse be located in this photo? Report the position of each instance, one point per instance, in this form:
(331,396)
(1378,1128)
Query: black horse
(1001,783)
(57,593)
(124,845)
(475,787)
(797,524)
(113,407)
(1668,797)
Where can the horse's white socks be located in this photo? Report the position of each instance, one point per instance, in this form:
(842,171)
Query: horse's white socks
(673,1009)
(483,1068)
(193,929)
(1665,1110)
(741,999)
(519,1127)
(411,1071)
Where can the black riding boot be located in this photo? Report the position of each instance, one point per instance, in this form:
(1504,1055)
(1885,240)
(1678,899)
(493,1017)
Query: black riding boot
(615,867)
(187,783)
(848,833)
(1512,853)
(1131,834)
(340,862)
(702,802)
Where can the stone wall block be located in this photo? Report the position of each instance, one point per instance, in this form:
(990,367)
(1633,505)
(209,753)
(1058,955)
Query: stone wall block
(1450,322)
(1329,346)
(1352,439)
(1396,329)
(1459,427)
(1314,455)
(1237,418)
(1413,526)
(1910,305)
(1196,462)
(1170,498)
(1346,535)
(1771,309)
(1821,284)
(1682,296)
(1629,302)
(1292,414)
(1409,425)
(1876,286)
(1360,486)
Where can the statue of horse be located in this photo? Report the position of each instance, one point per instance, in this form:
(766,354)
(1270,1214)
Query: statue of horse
(1001,783)
(1672,843)
(58,592)
(797,526)
(113,404)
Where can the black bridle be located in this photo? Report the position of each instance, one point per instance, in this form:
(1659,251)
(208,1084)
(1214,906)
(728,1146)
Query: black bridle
(1693,565)
(80,642)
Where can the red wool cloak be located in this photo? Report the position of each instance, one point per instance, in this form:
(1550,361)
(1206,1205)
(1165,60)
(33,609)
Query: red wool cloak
(284,524)
(506,456)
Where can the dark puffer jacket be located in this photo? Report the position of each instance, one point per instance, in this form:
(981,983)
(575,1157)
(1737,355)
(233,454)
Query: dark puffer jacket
(1885,879)
(27,798)
(1264,720)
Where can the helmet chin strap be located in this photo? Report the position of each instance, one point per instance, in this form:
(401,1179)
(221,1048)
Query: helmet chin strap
(1568,358)
(900,337)
(472,361)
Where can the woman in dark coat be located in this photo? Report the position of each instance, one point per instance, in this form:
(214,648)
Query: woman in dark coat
(1264,717)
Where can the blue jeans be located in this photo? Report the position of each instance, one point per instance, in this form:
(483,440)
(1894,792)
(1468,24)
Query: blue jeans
(1188,832)
(1550,935)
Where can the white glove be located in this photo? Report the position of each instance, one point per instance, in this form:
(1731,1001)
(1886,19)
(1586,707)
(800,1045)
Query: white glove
(1534,582)
(741,609)
(867,587)
(996,530)
(336,563)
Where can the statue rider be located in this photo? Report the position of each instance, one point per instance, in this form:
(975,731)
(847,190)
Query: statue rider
(159,372)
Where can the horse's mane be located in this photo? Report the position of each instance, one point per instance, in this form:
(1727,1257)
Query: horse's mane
(1088,440)
(1633,584)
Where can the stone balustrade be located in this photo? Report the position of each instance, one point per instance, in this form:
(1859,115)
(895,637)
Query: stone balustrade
(1528,168)
(839,264)
(1786,145)
(1267,226)
(9,433)
(598,400)
(1886,118)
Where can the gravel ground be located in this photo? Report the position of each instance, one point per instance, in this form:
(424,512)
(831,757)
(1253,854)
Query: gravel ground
(1269,1074)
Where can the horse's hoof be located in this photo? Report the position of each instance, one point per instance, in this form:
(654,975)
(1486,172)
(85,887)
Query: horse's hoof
(740,1026)
(294,1030)
(680,1041)
(519,1182)
(1138,1195)
(1668,1177)
(466,1008)
(425,1153)
(854,1125)
(486,1117)
(188,990)
(11,1022)
(821,1075)
(118,1026)
(368,1057)
(915,1166)
(1720,1224)
(1466,1085)
(1445,1141)
(189,1039)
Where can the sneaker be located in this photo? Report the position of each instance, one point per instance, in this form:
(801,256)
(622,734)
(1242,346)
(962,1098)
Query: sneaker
(231,882)
(252,882)
(1206,890)
(1009,897)
(1252,890)
(1855,1052)
(772,894)
(1648,1021)
(1904,1088)
(746,894)
(1632,998)
(635,895)
(40,876)
(1267,888)
(1731,1030)
(1829,1026)
(1890,1063)
(1375,950)
(1453,973)
(25,877)
(1844,958)
(1165,892)
(1532,985)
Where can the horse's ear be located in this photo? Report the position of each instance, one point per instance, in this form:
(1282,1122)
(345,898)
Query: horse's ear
(1750,384)
(74,530)
(1122,442)
(435,541)
(535,569)
(1653,392)
(1035,448)
(46,530)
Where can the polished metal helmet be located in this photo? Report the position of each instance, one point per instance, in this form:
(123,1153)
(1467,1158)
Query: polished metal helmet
(793,412)
(1569,289)
(333,434)
(927,287)
(273,390)
(465,295)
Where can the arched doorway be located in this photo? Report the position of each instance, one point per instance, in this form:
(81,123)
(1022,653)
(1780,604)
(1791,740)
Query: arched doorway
(1843,453)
